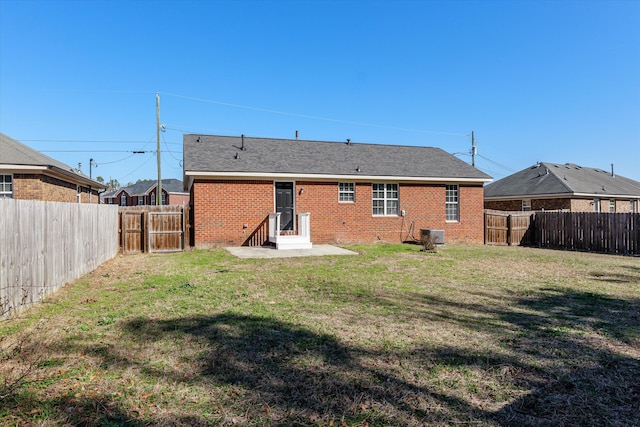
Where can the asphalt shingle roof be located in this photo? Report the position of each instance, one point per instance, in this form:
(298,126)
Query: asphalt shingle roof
(143,187)
(210,153)
(16,153)
(13,152)
(551,178)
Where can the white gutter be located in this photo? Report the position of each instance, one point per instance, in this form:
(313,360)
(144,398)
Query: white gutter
(19,168)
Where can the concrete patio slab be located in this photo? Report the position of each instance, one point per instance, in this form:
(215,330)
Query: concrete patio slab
(260,252)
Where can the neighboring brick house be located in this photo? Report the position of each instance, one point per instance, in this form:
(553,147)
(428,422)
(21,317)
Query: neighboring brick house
(144,193)
(550,186)
(30,175)
(353,193)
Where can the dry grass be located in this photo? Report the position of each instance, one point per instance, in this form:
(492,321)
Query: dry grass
(394,336)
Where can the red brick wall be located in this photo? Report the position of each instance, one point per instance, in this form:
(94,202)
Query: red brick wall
(49,189)
(178,199)
(573,205)
(227,212)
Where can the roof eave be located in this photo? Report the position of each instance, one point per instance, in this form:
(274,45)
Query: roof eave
(18,168)
(55,171)
(77,178)
(561,195)
(323,177)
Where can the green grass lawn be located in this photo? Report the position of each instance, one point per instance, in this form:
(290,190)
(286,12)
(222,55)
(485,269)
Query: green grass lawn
(391,337)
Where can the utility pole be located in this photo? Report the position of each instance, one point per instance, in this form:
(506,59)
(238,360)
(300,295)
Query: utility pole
(91,163)
(159,188)
(474,150)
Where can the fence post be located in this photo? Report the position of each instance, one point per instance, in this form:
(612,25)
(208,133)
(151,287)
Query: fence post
(144,224)
(123,232)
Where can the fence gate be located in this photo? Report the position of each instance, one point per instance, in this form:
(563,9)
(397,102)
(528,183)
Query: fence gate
(496,228)
(131,231)
(508,228)
(153,228)
(166,231)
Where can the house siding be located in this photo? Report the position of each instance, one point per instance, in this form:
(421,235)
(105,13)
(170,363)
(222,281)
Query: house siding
(50,189)
(227,212)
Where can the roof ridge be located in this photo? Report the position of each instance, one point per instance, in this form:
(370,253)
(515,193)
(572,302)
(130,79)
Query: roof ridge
(349,142)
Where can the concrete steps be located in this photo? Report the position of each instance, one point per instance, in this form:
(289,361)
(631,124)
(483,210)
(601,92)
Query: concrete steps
(292,242)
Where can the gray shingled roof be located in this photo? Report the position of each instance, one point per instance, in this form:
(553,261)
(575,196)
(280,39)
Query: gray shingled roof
(16,153)
(144,187)
(556,179)
(108,194)
(210,153)
(169,185)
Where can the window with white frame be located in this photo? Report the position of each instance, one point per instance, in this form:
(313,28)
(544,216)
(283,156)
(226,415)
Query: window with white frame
(6,186)
(612,206)
(346,192)
(140,200)
(526,205)
(452,205)
(596,205)
(123,200)
(385,199)
(164,198)
(153,199)
(631,206)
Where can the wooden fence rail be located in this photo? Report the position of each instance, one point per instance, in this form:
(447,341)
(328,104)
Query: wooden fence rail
(44,245)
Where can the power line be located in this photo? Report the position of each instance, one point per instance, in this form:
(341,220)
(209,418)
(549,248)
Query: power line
(84,141)
(94,151)
(200,130)
(307,116)
(116,161)
(169,151)
(507,168)
(136,169)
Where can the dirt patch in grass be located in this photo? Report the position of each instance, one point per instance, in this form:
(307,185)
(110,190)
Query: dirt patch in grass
(394,336)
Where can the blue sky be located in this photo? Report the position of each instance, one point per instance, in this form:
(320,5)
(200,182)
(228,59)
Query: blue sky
(555,81)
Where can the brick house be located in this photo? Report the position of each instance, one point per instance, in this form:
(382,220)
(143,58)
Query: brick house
(30,175)
(144,193)
(246,191)
(550,186)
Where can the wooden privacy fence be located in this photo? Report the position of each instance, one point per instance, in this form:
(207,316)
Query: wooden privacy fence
(153,228)
(616,233)
(508,228)
(44,245)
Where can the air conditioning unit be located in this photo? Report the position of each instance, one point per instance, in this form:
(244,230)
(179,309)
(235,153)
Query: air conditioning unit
(438,235)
